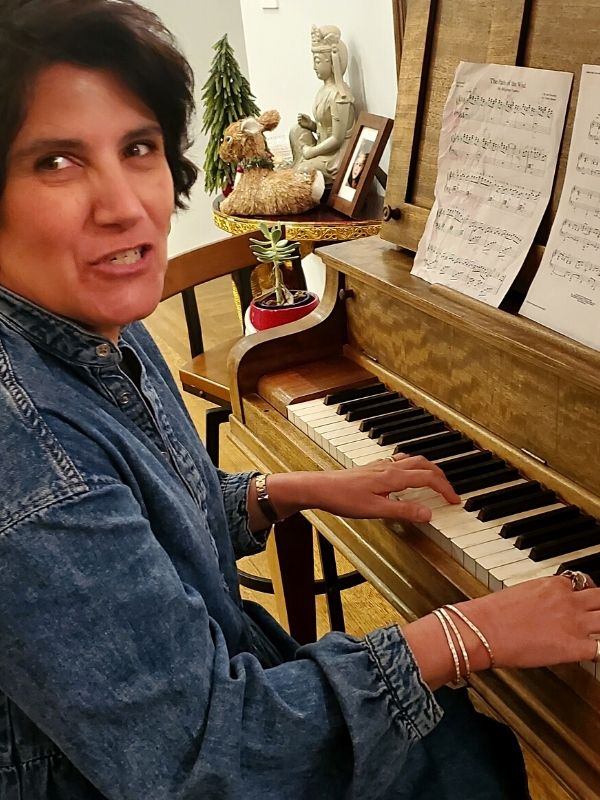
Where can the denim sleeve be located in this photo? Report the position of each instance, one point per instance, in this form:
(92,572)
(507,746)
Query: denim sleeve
(120,663)
(234,487)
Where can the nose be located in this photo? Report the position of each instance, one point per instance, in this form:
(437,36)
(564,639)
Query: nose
(115,199)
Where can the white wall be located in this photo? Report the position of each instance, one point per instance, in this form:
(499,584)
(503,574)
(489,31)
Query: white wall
(273,50)
(280,60)
(197,29)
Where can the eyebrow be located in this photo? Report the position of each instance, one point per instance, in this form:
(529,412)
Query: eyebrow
(39,146)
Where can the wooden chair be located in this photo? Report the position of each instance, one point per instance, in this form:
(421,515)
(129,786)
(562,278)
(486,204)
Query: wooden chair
(206,375)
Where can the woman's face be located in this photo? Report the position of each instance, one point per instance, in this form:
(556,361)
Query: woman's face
(358,165)
(86,211)
(322,65)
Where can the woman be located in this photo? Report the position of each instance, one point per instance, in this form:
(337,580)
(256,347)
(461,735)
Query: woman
(129,667)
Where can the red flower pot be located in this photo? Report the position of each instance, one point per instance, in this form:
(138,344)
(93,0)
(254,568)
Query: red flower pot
(264,316)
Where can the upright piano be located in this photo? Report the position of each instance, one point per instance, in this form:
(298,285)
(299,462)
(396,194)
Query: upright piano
(510,409)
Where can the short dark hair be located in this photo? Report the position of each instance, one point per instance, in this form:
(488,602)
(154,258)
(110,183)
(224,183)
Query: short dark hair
(117,35)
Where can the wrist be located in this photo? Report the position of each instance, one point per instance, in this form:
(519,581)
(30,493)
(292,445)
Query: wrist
(263,499)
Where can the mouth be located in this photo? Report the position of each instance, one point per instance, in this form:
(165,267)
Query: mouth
(124,257)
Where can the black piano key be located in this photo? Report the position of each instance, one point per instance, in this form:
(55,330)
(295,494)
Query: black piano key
(583,564)
(439,440)
(361,402)
(500,495)
(451,447)
(595,576)
(390,416)
(389,404)
(406,421)
(556,531)
(516,505)
(519,526)
(568,544)
(406,414)
(502,475)
(353,394)
(487,464)
(470,458)
(407,434)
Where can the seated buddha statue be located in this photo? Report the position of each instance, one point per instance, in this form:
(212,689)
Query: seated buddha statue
(319,143)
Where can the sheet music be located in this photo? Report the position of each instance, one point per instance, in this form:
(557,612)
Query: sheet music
(501,131)
(565,293)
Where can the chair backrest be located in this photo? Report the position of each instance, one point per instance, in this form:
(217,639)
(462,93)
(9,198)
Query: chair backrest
(230,256)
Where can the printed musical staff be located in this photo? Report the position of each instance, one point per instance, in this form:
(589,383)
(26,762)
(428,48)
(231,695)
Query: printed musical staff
(587,164)
(565,293)
(518,158)
(505,112)
(504,195)
(501,130)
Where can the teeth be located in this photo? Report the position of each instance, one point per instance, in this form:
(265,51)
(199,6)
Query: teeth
(127,256)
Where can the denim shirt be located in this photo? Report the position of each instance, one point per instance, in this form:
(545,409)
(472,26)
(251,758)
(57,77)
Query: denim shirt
(130,668)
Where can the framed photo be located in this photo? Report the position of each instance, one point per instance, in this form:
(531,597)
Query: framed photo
(360,161)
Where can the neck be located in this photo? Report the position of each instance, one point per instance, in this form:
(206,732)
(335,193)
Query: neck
(258,162)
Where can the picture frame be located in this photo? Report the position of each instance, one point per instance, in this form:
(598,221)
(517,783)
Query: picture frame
(360,161)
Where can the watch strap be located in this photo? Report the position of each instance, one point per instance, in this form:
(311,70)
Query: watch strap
(262,496)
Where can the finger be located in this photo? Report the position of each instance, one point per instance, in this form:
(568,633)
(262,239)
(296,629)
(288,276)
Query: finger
(400,509)
(420,462)
(419,478)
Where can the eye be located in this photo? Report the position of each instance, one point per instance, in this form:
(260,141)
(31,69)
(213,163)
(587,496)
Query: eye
(53,163)
(140,149)
(228,139)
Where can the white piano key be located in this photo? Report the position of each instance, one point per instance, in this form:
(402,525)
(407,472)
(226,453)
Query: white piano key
(453,526)
(500,521)
(495,585)
(524,568)
(460,543)
(369,457)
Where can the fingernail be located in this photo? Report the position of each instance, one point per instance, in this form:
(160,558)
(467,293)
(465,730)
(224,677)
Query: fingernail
(423,515)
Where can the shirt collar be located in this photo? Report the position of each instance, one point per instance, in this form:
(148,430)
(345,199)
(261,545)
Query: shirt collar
(59,336)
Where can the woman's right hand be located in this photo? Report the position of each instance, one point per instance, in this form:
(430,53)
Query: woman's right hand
(538,623)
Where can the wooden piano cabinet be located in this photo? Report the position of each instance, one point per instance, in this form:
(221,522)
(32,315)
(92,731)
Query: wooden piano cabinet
(529,395)
(376,327)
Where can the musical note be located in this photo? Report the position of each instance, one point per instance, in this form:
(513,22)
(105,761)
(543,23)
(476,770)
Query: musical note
(588,165)
(499,142)
(565,293)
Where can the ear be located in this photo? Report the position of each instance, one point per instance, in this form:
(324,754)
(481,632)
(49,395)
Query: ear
(251,126)
(269,119)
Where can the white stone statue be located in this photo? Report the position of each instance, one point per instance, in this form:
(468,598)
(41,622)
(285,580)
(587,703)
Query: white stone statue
(319,143)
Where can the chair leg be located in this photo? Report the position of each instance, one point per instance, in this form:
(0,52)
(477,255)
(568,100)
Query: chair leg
(215,417)
(332,584)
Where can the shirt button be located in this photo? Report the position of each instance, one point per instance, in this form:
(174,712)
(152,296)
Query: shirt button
(124,398)
(103,350)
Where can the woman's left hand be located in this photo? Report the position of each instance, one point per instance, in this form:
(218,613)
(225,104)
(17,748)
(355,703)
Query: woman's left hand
(363,492)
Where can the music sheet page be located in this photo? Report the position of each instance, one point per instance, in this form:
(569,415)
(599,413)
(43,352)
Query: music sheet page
(499,142)
(565,293)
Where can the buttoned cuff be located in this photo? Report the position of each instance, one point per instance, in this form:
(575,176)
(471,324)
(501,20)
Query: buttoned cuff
(412,704)
(235,488)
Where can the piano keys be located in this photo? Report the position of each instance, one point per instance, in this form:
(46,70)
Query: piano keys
(359,425)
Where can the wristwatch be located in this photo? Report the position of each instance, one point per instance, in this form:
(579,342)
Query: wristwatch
(262,496)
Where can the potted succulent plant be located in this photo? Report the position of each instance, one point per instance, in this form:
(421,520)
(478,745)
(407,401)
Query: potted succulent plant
(279,304)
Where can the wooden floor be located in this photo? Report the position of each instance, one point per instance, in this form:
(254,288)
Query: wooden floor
(364,608)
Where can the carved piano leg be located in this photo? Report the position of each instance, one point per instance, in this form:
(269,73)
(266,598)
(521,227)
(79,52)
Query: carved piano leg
(291,564)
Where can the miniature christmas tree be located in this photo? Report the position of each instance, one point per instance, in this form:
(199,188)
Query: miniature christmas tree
(227,97)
